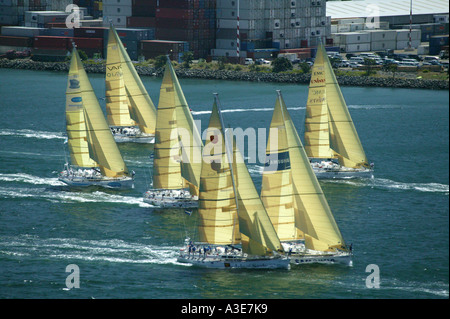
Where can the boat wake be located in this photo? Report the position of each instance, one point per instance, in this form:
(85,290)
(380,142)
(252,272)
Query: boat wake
(32,134)
(109,250)
(61,196)
(30,179)
(266,109)
(383,183)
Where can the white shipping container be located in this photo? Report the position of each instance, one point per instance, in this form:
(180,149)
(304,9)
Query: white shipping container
(354,37)
(360,47)
(401,45)
(351,20)
(382,35)
(403,34)
(343,28)
(383,45)
(356,27)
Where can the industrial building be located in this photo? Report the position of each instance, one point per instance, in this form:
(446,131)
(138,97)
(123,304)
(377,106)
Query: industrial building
(236,29)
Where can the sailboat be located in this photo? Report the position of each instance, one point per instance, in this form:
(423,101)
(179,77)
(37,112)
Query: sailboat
(177,151)
(95,159)
(234,228)
(130,110)
(294,199)
(331,140)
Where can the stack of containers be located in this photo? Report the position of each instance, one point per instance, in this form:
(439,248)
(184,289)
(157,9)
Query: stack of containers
(437,42)
(191,21)
(403,38)
(152,48)
(382,40)
(99,36)
(143,14)
(352,41)
(131,39)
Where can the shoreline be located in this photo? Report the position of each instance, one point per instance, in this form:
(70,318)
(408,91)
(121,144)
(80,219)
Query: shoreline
(359,81)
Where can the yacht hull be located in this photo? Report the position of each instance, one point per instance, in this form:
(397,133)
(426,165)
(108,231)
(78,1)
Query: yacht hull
(113,183)
(224,262)
(321,259)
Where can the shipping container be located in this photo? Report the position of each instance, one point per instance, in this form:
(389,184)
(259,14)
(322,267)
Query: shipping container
(141,22)
(383,45)
(16,41)
(91,32)
(58,32)
(403,34)
(382,35)
(19,31)
(52,42)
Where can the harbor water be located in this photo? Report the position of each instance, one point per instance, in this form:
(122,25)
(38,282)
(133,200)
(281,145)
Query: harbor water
(397,222)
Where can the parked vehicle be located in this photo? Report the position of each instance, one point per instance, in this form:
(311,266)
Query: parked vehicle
(249,61)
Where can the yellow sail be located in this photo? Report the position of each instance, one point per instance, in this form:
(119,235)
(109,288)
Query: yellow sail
(128,102)
(189,136)
(167,153)
(339,138)
(102,147)
(259,236)
(344,139)
(277,190)
(217,202)
(75,121)
(313,216)
(317,134)
(225,218)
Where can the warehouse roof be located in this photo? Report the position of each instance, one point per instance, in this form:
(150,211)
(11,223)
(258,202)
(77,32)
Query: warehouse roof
(367,8)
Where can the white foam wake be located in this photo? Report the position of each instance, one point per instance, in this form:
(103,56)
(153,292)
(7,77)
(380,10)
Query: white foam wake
(266,109)
(30,179)
(32,134)
(384,183)
(110,250)
(71,197)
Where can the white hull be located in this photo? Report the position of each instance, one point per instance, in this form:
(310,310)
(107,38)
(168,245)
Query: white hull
(131,135)
(171,198)
(224,262)
(115,183)
(345,259)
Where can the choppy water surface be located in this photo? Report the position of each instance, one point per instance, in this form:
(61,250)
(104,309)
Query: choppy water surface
(398,220)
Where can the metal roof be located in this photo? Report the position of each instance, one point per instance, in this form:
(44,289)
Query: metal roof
(386,8)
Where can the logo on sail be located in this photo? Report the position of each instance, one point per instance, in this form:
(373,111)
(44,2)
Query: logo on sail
(77,99)
(278,162)
(74,84)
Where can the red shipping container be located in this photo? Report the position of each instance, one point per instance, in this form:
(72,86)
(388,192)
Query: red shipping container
(174,13)
(52,42)
(16,41)
(141,22)
(89,43)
